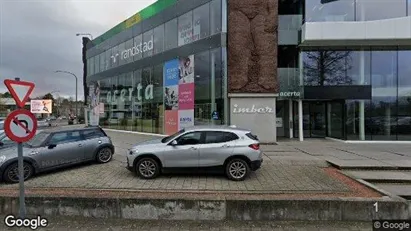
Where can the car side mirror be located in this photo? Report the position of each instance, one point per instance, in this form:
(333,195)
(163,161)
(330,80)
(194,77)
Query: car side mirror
(1,143)
(173,143)
(51,146)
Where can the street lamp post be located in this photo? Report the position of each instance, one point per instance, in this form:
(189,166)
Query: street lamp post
(91,36)
(76,87)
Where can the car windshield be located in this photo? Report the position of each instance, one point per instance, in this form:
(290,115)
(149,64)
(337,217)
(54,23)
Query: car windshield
(168,138)
(38,139)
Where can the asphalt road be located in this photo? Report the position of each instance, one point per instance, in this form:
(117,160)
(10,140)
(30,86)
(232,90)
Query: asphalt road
(67,223)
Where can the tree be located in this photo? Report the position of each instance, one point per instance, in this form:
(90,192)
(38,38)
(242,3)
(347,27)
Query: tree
(48,96)
(327,68)
(2,103)
(6,95)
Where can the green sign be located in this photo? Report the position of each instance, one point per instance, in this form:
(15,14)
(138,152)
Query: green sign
(146,13)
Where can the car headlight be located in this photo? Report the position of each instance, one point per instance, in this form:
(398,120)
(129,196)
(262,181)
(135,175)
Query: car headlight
(2,159)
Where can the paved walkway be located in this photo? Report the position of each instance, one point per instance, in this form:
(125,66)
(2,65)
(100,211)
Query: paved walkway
(286,169)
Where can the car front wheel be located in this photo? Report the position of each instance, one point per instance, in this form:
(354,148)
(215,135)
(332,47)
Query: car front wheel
(11,174)
(147,168)
(104,155)
(237,169)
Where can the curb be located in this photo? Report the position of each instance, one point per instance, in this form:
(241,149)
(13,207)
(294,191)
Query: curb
(137,133)
(337,209)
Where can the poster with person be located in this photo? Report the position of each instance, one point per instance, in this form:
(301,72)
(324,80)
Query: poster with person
(186,70)
(178,77)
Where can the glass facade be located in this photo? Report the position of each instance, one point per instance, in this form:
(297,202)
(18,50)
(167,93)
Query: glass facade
(168,95)
(386,116)
(354,10)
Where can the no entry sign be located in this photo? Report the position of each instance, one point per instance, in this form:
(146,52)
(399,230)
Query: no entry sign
(20,126)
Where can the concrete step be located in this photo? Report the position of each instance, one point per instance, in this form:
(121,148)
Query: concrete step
(402,190)
(388,176)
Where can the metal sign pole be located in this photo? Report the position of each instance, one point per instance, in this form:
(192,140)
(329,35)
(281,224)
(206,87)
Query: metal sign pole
(21,177)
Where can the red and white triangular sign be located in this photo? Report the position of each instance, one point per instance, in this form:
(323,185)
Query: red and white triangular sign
(20,90)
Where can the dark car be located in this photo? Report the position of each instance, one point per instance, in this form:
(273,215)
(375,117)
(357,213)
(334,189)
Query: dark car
(53,149)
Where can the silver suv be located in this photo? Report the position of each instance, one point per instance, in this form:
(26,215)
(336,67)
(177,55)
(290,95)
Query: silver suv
(233,151)
(52,149)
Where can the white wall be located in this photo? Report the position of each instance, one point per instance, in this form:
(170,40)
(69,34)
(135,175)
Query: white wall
(262,123)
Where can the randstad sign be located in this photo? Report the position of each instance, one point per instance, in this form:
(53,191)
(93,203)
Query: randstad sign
(252,109)
(131,52)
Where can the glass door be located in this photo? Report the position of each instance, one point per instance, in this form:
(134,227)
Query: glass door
(317,119)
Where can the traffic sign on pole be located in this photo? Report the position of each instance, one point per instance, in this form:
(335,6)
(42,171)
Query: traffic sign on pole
(20,126)
(20,90)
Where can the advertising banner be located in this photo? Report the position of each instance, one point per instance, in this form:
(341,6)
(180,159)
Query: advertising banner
(41,106)
(179,88)
(94,93)
(171,122)
(186,96)
(185,118)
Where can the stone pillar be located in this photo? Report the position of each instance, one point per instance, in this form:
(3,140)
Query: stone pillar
(212,95)
(361,113)
(300,120)
(290,118)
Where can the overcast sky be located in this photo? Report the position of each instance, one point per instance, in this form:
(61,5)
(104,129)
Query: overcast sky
(38,37)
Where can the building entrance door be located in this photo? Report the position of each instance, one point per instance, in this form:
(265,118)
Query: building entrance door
(317,115)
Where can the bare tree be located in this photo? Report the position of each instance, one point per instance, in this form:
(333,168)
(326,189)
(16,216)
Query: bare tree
(327,68)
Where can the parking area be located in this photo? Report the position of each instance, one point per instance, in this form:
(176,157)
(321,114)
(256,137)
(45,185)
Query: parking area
(273,177)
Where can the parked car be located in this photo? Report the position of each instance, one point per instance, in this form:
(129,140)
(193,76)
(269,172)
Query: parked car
(1,127)
(43,123)
(5,142)
(53,149)
(231,150)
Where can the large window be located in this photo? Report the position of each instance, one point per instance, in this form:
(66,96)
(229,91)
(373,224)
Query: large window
(185,29)
(115,57)
(358,66)
(96,64)
(108,59)
(322,68)
(287,56)
(202,103)
(121,48)
(159,39)
(147,109)
(404,96)
(103,61)
(127,54)
(137,101)
(138,44)
(92,66)
(201,21)
(384,94)
(368,10)
(215,17)
(340,10)
(354,10)
(171,34)
(148,44)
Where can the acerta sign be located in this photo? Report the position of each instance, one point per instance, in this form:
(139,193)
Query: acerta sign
(128,93)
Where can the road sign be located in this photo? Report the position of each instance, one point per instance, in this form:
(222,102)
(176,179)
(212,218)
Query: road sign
(20,90)
(20,126)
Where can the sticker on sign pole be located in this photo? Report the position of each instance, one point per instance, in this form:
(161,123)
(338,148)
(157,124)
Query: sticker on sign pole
(20,126)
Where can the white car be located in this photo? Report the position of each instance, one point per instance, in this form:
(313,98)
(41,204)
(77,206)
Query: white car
(1,127)
(43,123)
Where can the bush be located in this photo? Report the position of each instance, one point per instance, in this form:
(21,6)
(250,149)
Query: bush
(123,122)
